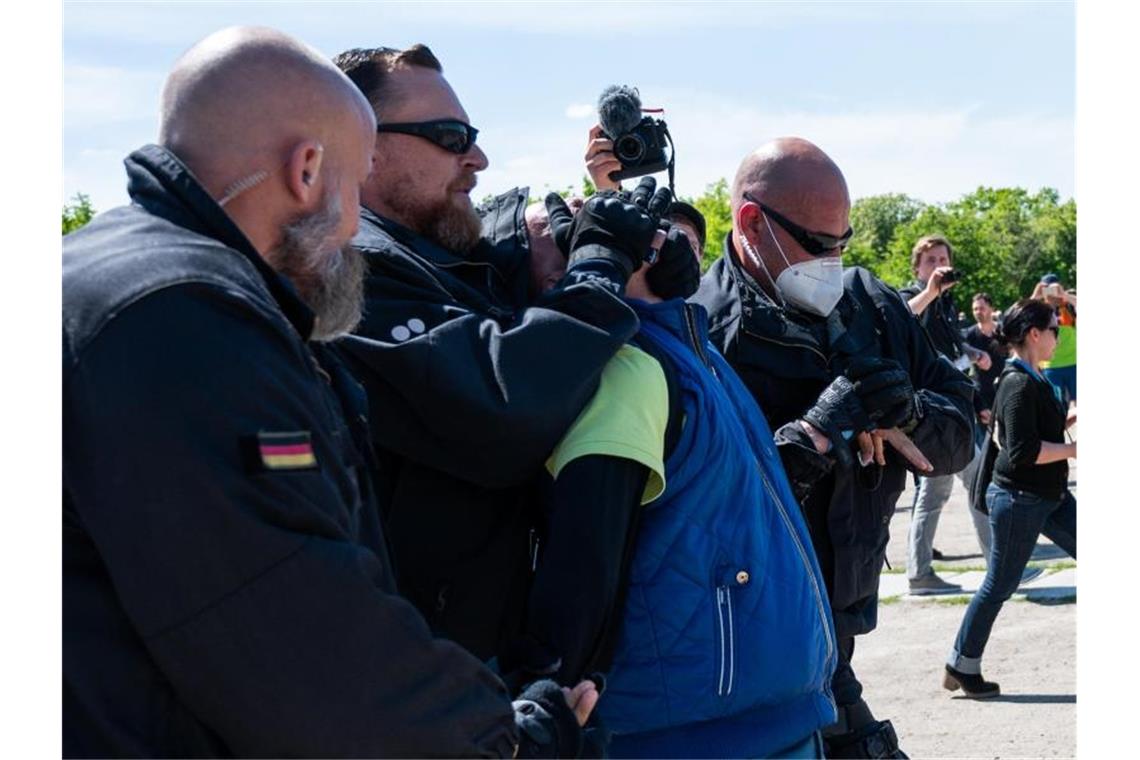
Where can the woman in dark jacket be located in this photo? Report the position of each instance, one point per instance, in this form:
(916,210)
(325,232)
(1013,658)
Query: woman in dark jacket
(1029,494)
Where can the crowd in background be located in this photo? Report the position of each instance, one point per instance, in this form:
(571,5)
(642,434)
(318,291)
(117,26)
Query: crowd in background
(352,467)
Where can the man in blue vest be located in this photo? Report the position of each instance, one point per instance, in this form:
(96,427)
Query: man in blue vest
(676,557)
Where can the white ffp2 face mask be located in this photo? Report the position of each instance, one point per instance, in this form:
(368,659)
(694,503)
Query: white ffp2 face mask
(814,286)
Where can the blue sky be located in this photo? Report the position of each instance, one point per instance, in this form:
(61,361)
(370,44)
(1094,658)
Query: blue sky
(928,99)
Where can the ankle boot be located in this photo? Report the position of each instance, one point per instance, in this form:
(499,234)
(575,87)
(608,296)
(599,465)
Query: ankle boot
(974,685)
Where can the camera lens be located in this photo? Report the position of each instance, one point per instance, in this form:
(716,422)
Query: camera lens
(629,148)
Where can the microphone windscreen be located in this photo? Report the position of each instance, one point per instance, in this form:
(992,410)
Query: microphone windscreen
(619,110)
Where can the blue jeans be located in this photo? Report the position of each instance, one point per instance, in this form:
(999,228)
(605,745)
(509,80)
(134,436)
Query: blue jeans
(1017,519)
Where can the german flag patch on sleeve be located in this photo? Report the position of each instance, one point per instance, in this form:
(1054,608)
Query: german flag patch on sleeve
(286,451)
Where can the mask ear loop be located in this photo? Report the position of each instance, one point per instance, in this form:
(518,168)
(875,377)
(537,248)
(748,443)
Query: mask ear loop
(752,254)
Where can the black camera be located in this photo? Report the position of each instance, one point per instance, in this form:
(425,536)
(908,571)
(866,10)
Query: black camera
(642,149)
(639,141)
(952,276)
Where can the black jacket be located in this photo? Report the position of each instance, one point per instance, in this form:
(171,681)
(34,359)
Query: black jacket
(481,389)
(1028,413)
(786,359)
(213,604)
(940,320)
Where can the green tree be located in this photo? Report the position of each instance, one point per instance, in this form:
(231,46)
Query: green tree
(77,213)
(715,204)
(1004,240)
(875,220)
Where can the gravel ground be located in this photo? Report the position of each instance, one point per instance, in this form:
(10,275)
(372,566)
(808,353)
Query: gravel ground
(1032,653)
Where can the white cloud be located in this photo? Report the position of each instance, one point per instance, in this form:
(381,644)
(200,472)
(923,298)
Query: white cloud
(579,110)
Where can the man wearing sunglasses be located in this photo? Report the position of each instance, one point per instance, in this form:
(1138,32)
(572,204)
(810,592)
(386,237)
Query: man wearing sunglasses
(471,387)
(840,368)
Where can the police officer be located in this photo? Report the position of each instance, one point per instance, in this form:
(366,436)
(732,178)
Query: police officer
(839,367)
(226,589)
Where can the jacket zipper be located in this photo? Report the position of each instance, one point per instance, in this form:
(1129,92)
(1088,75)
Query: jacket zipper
(727,641)
(823,617)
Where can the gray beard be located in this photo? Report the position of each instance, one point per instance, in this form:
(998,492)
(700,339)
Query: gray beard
(329,281)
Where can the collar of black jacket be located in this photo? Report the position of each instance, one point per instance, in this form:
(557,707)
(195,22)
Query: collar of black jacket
(159,182)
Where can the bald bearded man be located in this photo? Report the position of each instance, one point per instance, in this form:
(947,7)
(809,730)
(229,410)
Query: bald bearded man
(838,365)
(226,586)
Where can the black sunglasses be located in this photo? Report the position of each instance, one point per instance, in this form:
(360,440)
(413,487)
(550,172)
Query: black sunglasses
(452,135)
(815,243)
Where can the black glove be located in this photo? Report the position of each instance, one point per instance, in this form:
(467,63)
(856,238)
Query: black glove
(609,238)
(677,271)
(884,389)
(839,413)
(654,203)
(547,726)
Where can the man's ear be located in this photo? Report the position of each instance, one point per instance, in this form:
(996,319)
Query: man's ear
(748,220)
(303,170)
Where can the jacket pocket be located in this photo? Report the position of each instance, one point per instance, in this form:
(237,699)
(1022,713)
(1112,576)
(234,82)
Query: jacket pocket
(726,657)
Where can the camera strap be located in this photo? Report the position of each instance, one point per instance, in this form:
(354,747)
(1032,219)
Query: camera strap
(672,157)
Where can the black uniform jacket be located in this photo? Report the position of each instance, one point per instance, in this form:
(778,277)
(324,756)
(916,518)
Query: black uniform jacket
(477,388)
(226,589)
(787,358)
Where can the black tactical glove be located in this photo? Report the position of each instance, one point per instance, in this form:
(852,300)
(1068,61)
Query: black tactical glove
(653,202)
(609,237)
(547,726)
(677,271)
(884,389)
(839,413)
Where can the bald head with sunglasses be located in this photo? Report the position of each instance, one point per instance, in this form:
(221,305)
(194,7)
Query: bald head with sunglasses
(790,205)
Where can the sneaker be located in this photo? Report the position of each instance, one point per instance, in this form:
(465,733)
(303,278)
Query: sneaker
(973,685)
(1030,573)
(931,584)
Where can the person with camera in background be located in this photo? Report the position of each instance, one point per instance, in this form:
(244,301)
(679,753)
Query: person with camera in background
(846,378)
(1061,369)
(930,300)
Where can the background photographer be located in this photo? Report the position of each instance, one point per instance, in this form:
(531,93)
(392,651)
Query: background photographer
(640,151)
(929,299)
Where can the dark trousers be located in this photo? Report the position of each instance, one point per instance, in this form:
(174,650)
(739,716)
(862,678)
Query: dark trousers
(845,686)
(1017,519)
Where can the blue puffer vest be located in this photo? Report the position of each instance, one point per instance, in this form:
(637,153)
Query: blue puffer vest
(726,648)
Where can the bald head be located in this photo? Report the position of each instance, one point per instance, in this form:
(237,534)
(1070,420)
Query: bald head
(789,174)
(547,264)
(800,183)
(241,99)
